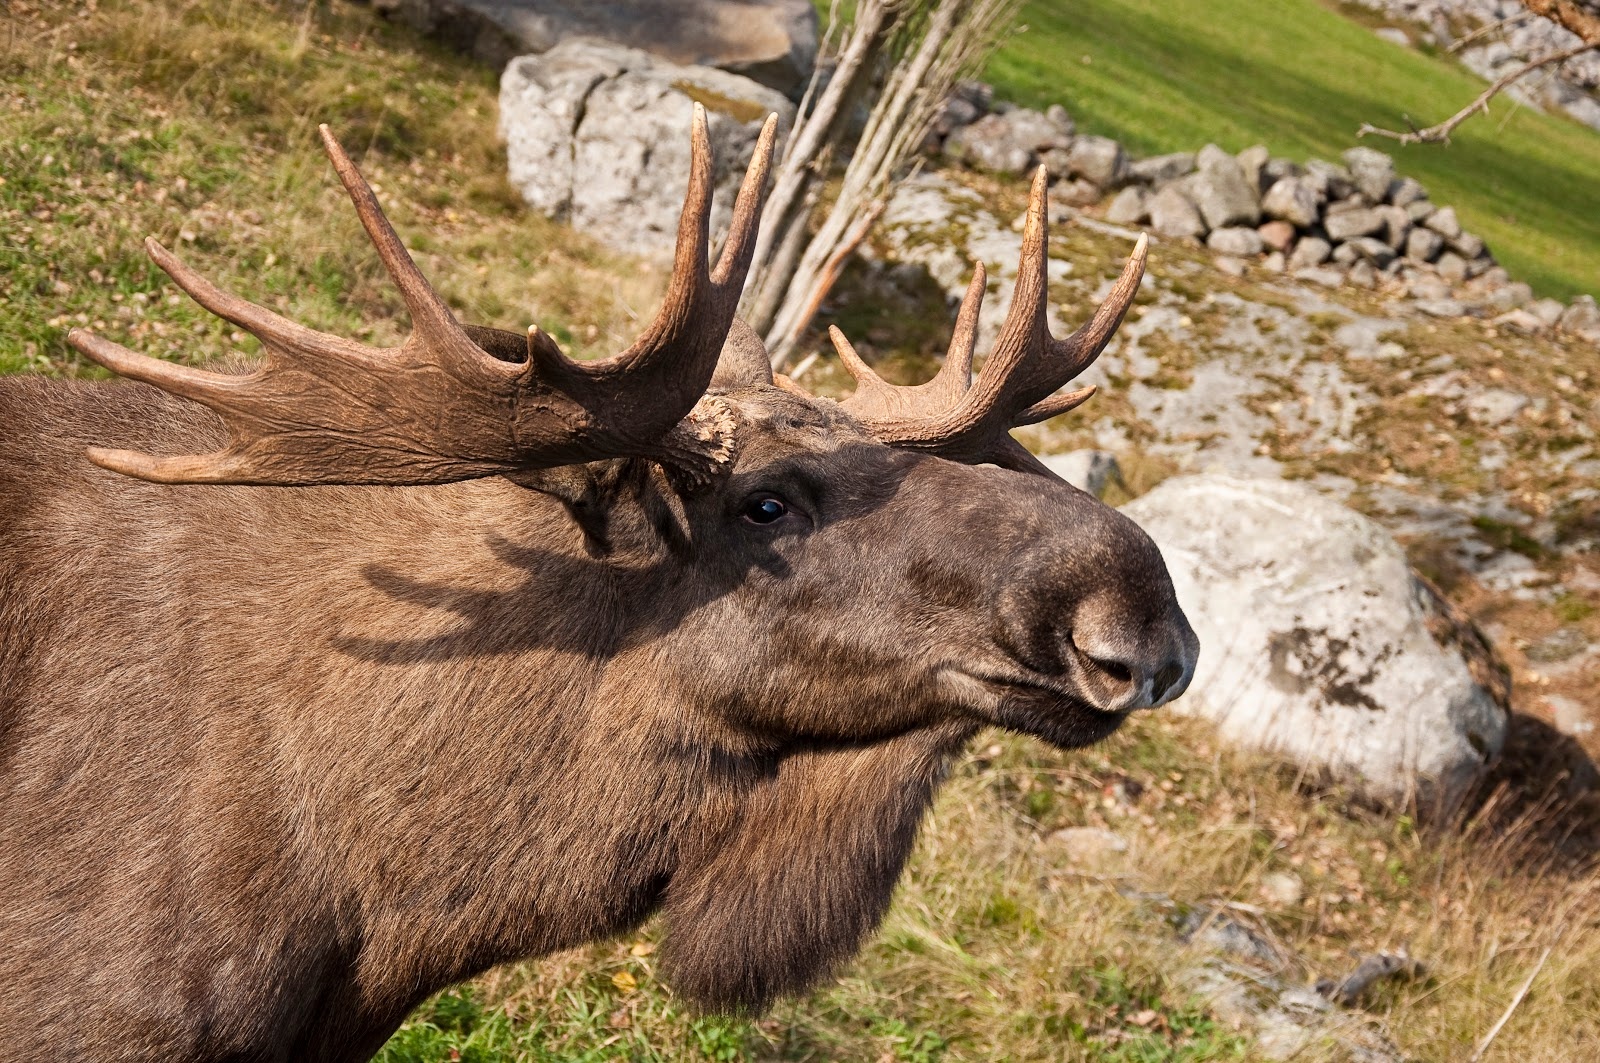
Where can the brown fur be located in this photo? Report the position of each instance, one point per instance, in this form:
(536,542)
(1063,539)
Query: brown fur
(276,764)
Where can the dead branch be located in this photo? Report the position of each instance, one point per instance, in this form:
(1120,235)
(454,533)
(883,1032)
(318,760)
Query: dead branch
(1579,18)
(1489,29)
(1440,134)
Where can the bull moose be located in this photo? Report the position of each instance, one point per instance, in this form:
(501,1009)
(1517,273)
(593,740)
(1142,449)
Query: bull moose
(333,680)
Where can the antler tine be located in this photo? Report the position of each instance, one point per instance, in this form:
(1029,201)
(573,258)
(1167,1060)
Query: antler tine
(740,246)
(430,317)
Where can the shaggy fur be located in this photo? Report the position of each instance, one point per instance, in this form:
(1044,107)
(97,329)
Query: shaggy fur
(276,764)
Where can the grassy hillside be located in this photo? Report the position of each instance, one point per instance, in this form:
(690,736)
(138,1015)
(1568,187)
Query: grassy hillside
(1298,77)
(194,120)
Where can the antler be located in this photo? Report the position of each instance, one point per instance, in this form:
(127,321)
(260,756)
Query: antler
(327,410)
(957,419)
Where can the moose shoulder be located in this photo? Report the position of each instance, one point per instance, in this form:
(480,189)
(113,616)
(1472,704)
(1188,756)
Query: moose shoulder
(330,683)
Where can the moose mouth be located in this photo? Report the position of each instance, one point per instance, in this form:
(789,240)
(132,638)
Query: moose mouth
(1041,705)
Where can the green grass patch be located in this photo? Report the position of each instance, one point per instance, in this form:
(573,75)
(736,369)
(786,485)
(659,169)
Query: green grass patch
(1299,78)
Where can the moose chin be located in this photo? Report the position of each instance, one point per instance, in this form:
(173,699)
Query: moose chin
(336,679)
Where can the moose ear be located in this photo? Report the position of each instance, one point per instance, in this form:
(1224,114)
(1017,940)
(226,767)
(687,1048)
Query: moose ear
(743,362)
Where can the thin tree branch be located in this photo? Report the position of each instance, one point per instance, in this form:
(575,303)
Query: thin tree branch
(1440,134)
(1490,28)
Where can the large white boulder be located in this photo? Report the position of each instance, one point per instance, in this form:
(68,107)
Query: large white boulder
(598,134)
(1318,641)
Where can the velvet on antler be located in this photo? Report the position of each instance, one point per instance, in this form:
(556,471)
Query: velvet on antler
(970,421)
(323,409)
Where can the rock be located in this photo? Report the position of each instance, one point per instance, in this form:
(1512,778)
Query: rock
(1061,120)
(1407,191)
(1235,240)
(1467,245)
(1276,262)
(1327,277)
(1087,470)
(1345,255)
(1423,245)
(1099,160)
(1452,268)
(597,134)
(1519,321)
(1277,235)
(1221,192)
(1420,211)
(1282,888)
(1427,286)
(1232,265)
(1077,193)
(1089,846)
(1446,308)
(1252,161)
(1159,169)
(1319,643)
(1511,296)
(1371,171)
(1293,200)
(772,42)
(1548,311)
(1443,221)
(1130,207)
(1495,406)
(1329,180)
(1394,35)
(1310,251)
(955,113)
(988,144)
(1037,132)
(1349,223)
(1173,215)
(1396,225)
(1363,275)
(1373,250)
(977,93)
(1582,318)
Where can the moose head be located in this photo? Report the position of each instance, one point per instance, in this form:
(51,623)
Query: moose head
(655,632)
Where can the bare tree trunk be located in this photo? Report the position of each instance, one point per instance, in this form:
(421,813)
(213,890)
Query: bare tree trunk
(926,45)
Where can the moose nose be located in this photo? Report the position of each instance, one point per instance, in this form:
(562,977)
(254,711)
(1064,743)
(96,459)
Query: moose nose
(1126,682)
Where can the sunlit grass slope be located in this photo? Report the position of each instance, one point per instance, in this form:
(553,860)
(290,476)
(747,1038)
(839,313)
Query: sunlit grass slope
(1171,75)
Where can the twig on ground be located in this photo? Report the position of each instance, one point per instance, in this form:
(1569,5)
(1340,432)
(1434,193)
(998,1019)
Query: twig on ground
(1516,1001)
(1440,134)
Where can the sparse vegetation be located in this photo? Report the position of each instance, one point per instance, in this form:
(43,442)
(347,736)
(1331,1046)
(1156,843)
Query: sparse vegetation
(195,121)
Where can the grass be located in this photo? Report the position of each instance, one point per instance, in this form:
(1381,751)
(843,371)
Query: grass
(1298,77)
(194,120)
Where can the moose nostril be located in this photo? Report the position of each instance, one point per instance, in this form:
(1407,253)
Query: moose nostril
(1165,679)
(1115,669)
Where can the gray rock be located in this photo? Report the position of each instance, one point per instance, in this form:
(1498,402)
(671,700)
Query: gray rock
(1452,268)
(1326,276)
(1276,262)
(1309,252)
(1548,311)
(1077,193)
(1252,161)
(1362,275)
(1318,641)
(1173,215)
(1345,255)
(1406,192)
(1394,35)
(1087,470)
(1443,221)
(954,113)
(1373,250)
(1582,318)
(1467,245)
(1221,192)
(1495,406)
(1130,207)
(1423,245)
(1061,120)
(1099,160)
(1035,131)
(1372,172)
(1293,200)
(1235,240)
(619,117)
(1427,286)
(1420,211)
(773,42)
(1348,224)
(1232,265)
(1396,225)
(988,144)
(1445,308)
(1159,169)
(1330,180)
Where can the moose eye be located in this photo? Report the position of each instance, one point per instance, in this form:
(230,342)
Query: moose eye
(764,509)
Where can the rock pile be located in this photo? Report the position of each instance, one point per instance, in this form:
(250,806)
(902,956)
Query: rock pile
(1571,87)
(1356,222)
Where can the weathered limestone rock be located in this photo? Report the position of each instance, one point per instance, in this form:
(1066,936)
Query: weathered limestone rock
(1173,215)
(1098,160)
(1087,470)
(1130,207)
(1293,200)
(1221,192)
(1277,235)
(1372,172)
(1320,643)
(1423,245)
(1311,251)
(1443,221)
(1236,240)
(1159,169)
(598,134)
(989,144)
(1348,224)
(773,42)
(1582,318)
(1252,161)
